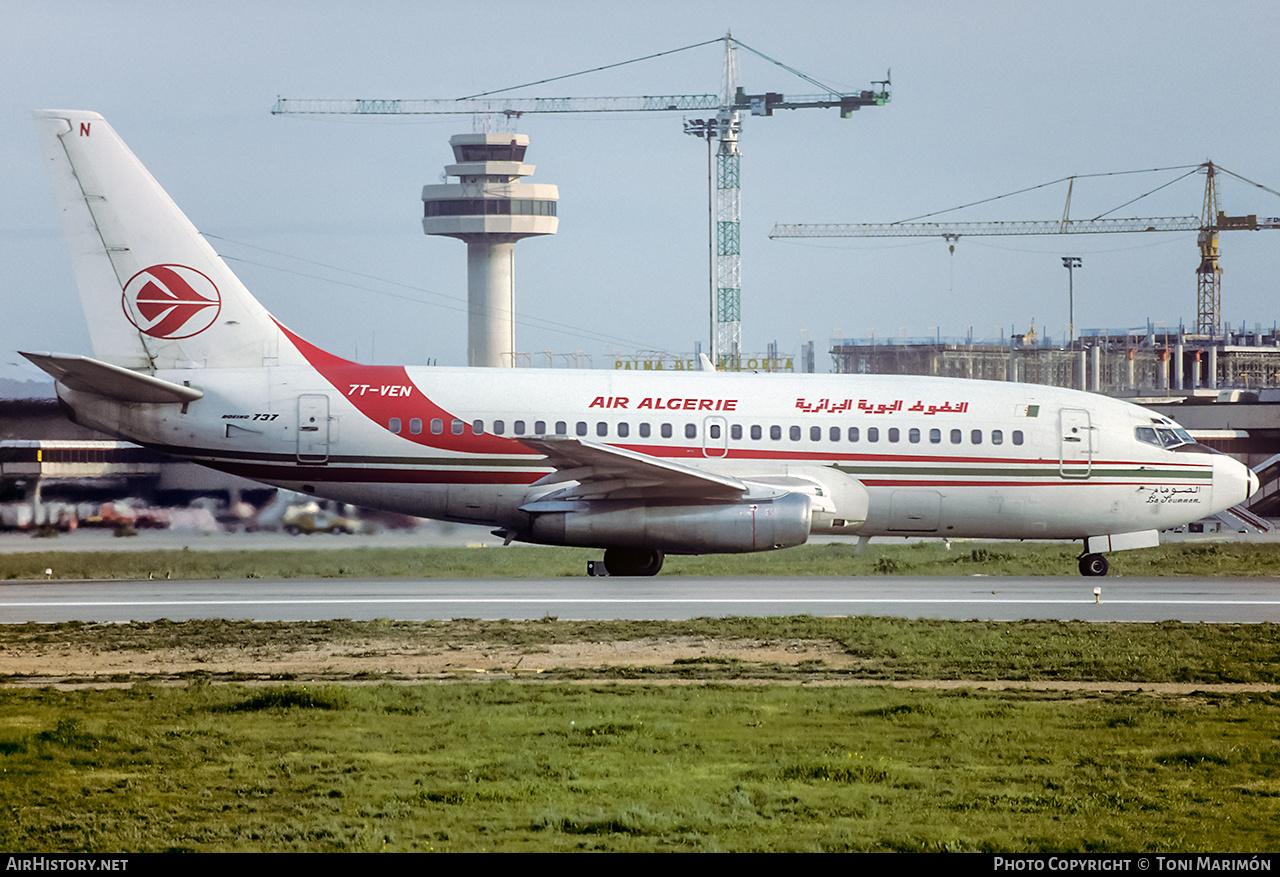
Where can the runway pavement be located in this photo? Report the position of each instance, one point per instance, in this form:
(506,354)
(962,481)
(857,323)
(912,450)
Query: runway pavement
(664,597)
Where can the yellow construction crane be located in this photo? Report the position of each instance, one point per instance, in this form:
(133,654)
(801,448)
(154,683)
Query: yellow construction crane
(1208,224)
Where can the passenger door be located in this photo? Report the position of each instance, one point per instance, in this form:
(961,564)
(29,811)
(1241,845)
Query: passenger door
(313,428)
(1076,443)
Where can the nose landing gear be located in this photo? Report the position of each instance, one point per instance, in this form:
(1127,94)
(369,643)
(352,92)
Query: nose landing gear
(1093,565)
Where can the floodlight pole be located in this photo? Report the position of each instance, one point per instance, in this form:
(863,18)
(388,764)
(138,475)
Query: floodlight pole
(1071,263)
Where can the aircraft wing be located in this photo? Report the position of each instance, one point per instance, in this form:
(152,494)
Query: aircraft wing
(602,471)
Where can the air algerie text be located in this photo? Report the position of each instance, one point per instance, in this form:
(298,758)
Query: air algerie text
(659,403)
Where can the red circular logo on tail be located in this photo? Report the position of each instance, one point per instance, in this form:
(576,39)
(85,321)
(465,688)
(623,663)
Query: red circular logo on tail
(171,301)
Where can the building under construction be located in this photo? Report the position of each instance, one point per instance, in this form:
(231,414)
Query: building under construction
(1116,362)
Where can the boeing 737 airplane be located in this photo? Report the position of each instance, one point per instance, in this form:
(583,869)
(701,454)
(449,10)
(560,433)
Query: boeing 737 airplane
(640,464)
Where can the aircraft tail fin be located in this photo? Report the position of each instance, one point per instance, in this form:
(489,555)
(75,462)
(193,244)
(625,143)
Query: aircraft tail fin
(155,294)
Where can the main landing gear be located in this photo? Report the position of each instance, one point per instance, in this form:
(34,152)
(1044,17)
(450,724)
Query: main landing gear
(1093,565)
(628,562)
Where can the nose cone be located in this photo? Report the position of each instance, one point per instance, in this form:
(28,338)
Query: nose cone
(1233,482)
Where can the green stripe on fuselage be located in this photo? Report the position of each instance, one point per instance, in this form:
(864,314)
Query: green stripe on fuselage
(1098,470)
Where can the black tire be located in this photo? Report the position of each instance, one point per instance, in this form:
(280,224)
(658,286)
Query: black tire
(1093,565)
(633,561)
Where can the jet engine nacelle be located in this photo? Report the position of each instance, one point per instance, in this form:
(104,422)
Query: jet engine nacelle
(756,525)
(839,503)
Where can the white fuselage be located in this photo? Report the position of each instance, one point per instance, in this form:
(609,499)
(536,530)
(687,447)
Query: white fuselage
(877,455)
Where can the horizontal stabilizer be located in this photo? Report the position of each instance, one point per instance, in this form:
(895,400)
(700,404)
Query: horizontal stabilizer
(94,376)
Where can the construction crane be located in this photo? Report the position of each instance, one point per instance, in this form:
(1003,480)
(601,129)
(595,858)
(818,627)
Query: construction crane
(1208,224)
(721,132)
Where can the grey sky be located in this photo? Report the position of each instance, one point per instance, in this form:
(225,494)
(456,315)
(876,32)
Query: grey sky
(988,98)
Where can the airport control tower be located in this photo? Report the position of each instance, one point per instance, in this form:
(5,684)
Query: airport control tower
(490,209)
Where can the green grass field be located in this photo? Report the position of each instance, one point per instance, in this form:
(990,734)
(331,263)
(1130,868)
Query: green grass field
(703,755)
(707,755)
(832,559)
(709,767)
(883,649)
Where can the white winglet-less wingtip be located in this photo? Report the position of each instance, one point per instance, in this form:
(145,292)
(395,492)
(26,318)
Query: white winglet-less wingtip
(637,463)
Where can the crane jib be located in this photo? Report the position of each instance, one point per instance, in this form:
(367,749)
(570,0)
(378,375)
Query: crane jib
(926,229)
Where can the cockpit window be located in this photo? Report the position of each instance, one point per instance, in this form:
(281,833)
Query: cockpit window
(1163,436)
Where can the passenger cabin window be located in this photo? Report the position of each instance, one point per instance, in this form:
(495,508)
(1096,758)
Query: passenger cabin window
(690,430)
(581,427)
(623,430)
(644,430)
(457,427)
(873,434)
(893,433)
(437,426)
(756,433)
(997,437)
(394,425)
(562,428)
(956,436)
(1017,436)
(975,436)
(540,427)
(794,432)
(853,433)
(775,433)
(477,427)
(415,426)
(666,430)
(518,427)
(935,436)
(499,427)
(914,436)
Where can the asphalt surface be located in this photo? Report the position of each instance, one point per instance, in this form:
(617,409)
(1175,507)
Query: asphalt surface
(1066,597)
(663,597)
